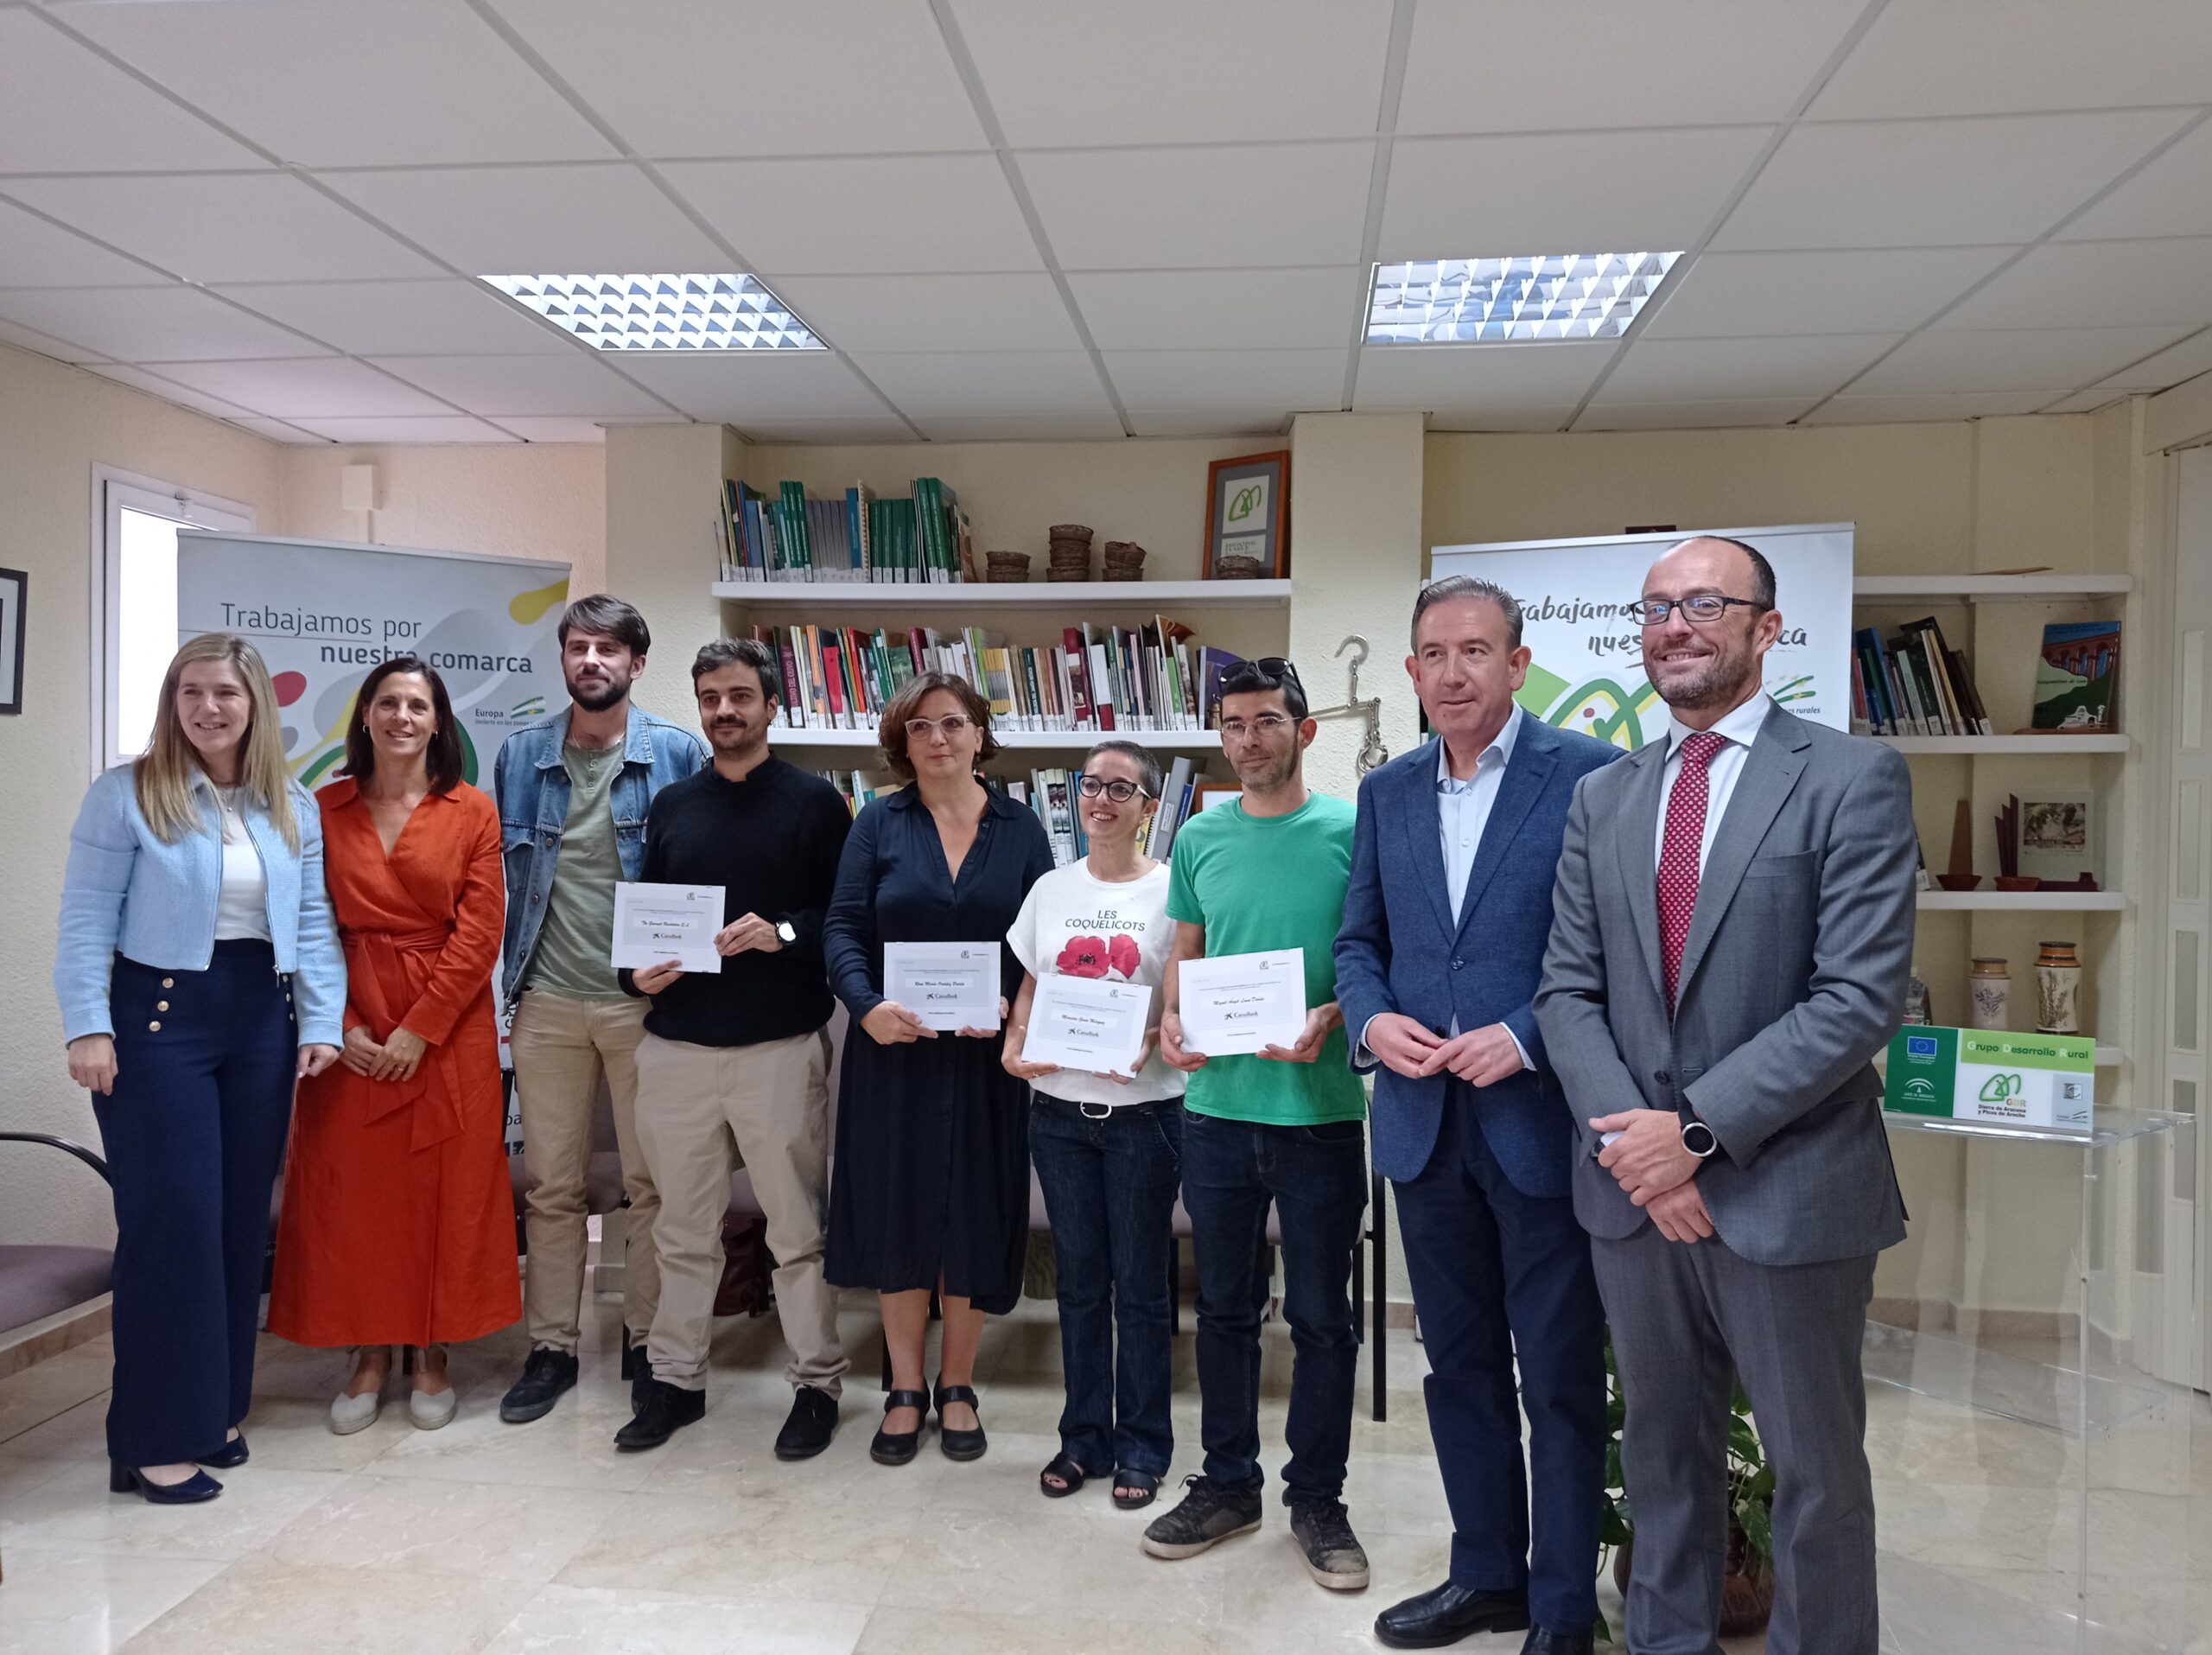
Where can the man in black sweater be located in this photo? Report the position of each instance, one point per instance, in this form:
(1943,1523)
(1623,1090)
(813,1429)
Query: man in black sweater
(735,1063)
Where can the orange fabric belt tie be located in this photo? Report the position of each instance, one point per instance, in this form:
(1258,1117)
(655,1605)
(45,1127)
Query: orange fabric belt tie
(389,972)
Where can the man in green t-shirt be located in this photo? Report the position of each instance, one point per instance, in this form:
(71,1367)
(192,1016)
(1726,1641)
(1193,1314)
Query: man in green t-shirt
(1284,1125)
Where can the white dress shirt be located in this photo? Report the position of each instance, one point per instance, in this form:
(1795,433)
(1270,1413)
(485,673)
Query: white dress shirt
(1738,731)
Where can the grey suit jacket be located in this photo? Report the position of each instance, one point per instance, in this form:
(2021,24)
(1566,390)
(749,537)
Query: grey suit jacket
(1793,976)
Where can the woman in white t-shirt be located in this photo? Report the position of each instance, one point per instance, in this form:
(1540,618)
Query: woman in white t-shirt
(1108,1147)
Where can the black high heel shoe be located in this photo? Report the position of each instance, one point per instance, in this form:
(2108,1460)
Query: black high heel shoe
(229,1457)
(960,1445)
(896,1447)
(125,1479)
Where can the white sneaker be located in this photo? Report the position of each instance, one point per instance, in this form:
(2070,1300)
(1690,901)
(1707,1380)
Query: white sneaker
(351,1414)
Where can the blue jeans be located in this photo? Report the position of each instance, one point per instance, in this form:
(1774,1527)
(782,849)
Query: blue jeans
(1316,1176)
(1109,1191)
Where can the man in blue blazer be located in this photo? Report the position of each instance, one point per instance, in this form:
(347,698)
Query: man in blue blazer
(1442,947)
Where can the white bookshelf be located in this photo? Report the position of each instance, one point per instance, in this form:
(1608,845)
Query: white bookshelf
(2047,587)
(1159,741)
(2023,901)
(2037,746)
(1003,594)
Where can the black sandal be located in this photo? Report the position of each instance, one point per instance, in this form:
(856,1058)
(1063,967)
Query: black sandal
(896,1447)
(960,1445)
(1072,1476)
(1145,1485)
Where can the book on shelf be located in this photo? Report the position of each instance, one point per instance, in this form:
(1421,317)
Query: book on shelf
(1913,684)
(854,538)
(2077,678)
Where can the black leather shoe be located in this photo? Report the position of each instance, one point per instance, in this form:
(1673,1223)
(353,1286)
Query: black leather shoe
(812,1423)
(896,1447)
(666,1408)
(960,1445)
(232,1454)
(125,1479)
(1446,1613)
(1542,1642)
(545,1376)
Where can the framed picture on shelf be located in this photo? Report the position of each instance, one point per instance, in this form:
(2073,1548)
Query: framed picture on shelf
(2059,841)
(12,581)
(1248,518)
(1211,793)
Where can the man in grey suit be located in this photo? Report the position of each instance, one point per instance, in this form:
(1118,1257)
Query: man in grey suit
(1732,941)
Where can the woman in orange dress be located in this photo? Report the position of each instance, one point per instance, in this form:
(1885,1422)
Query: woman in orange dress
(399,1224)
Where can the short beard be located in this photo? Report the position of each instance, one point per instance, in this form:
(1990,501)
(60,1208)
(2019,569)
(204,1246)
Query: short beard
(599,700)
(1719,681)
(733,741)
(1279,773)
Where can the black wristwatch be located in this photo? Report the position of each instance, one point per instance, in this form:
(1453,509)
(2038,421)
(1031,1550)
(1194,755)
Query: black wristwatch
(1698,1139)
(786,933)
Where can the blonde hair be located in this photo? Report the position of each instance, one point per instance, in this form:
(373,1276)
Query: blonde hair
(163,774)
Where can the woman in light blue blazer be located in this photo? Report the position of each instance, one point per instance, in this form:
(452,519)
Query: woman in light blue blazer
(200,974)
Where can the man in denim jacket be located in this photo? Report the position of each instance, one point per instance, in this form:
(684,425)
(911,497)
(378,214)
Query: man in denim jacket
(573,792)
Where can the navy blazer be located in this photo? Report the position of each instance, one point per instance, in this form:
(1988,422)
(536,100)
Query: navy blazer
(1402,950)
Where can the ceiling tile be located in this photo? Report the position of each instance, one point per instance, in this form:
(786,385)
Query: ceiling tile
(168,390)
(1169,71)
(1235,309)
(740,386)
(164,324)
(336,83)
(1480,378)
(1904,410)
(1806,367)
(277,430)
(2167,198)
(1175,209)
(2184,360)
(320,388)
(1561,193)
(1239,422)
(1692,416)
(2083,402)
(1724,296)
(404,318)
(431,428)
(981,312)
(1937,57)
(1937,183)
(1305,380)
(212,227)
(882,212)
(849,75)
(1026,427)
(512,220)
(64,108)
(34,253)
(578,384)
(998,384)
(2011,360)
(1490,67)
(533,427)
(30,338)
(1530,417)
(2097,283)
(828,433)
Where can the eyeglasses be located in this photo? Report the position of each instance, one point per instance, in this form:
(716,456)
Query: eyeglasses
(1120,790)
(1704,608)
(951,726)
(1236,729)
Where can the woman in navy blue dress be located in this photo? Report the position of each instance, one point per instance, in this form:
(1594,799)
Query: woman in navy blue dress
(932,1186)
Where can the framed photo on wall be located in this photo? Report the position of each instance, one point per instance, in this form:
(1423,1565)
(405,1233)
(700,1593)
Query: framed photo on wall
(12,581)
(1248,518)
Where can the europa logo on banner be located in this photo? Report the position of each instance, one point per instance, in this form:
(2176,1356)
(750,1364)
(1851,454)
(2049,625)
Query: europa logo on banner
(323,613)
(1586,670)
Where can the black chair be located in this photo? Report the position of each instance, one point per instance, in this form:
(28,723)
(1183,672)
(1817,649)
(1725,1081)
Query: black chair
(39,1280)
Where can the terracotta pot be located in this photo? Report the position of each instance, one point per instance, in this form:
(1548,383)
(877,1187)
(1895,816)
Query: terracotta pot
(1746,1597)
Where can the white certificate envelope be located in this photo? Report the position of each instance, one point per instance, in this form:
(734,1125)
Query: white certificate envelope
(654,923)
(1087,1023)
(1240,1003)
(948,985)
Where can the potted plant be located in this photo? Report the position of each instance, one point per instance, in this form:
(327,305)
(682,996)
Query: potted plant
(1747,1589)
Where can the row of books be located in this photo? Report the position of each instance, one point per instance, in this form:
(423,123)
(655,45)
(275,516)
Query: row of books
(1914,684)
(1051,795)
(1098,679)
(923,537)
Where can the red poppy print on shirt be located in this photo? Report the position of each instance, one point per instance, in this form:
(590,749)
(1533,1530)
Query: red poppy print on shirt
(1122,958)
(1083,957)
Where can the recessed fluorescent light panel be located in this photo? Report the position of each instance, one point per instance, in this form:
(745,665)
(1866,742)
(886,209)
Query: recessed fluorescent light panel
(1502,301)
(663,313)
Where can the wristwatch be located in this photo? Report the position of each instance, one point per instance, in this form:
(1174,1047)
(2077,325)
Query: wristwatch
(786,933)
(1698,1139)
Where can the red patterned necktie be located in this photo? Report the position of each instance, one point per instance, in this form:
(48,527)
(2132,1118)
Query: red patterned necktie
(1679,853)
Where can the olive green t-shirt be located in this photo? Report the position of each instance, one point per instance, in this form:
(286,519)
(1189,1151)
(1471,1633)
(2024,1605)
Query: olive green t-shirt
(1259,883)
(576,942)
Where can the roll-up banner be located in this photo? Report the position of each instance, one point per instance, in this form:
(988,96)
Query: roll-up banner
(1587,671)
(323,613)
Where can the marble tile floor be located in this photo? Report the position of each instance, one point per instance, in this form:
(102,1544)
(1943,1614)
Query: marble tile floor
(540,1538)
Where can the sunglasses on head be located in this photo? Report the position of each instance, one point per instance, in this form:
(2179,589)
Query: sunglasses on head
(1267,673)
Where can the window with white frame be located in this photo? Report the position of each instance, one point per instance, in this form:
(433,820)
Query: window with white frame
(135,630)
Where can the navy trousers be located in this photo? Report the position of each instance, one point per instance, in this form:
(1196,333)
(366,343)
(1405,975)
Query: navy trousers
(194,1133)
(1497,1275)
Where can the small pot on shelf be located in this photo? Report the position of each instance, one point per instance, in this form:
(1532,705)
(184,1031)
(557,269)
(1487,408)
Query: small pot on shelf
(1958,881)
(2018,882)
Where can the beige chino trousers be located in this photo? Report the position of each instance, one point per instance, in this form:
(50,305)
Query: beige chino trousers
(701,1109)
(561,1044)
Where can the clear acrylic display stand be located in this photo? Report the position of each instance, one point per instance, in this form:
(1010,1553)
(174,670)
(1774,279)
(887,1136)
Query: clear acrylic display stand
(2030,1413)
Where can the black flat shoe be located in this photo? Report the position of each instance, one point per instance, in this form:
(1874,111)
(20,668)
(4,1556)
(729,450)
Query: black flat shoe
(960,1445)
(229,1457)
(665,1409)
(1135,1490)
(123,1479)
(811,1424)
(896,1447)
(1445,1614)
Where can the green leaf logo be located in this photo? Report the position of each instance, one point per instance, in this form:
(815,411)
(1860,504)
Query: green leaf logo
(2001,1088)
(1244,502)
